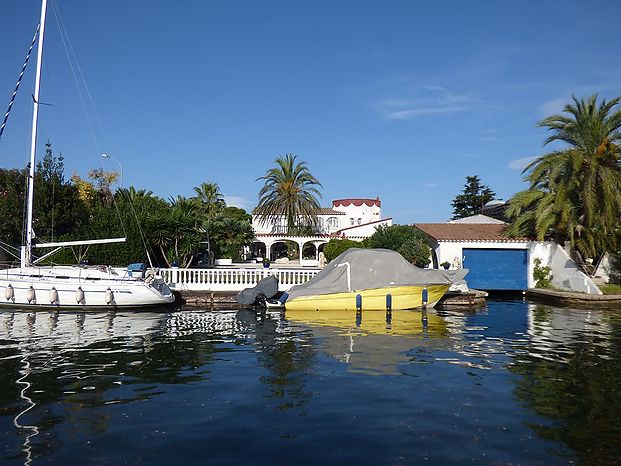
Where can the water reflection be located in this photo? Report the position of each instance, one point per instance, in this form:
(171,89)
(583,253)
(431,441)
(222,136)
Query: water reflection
(373,342)
(571,374)
(512,382)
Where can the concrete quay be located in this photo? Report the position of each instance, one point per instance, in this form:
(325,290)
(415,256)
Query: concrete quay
(567,298)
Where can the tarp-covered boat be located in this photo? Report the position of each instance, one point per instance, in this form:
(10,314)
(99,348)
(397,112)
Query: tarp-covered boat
(264,294)
(372,279)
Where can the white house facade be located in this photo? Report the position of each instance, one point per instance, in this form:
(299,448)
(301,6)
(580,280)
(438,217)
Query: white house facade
(352,218)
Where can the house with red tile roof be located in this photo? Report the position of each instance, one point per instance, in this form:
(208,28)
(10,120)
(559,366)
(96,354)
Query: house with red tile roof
(497,261)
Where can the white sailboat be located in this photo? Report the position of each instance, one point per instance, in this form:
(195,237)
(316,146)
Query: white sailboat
(75,287)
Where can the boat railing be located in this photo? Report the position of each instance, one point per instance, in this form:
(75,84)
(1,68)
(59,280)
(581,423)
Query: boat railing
(232,279)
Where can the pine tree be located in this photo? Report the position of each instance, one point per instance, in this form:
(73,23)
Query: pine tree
(474,197)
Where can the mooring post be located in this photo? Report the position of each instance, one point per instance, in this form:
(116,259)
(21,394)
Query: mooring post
(425,297)
(358,302)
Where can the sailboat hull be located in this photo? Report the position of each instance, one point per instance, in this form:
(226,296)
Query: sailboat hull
(80,289)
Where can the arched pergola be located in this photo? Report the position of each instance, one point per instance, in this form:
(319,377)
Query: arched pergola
(303,242)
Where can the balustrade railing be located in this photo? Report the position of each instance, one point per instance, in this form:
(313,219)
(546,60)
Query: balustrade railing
(231,279)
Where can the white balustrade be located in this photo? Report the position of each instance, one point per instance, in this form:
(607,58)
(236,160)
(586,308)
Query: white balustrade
(232,279)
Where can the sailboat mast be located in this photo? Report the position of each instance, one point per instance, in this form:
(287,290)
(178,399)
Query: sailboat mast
(26,258)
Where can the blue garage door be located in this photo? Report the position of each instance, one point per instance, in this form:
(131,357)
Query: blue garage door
(496,269)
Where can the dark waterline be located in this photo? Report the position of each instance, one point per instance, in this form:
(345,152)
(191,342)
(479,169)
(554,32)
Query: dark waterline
(514,382)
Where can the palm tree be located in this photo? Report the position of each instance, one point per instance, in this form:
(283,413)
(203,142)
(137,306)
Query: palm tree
(230,235)
(209,203)
(131,193)
(208,200)
(290,190)
(575,192)
(178,233)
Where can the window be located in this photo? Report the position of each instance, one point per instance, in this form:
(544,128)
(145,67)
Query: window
(351,221)
(359,221)
(333,224)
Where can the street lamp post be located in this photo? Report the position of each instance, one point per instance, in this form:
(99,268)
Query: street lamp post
(108,156)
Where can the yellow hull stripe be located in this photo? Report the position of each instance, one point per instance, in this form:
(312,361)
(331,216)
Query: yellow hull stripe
(403,297)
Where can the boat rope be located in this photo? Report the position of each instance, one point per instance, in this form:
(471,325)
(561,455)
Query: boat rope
(19,81)
(79,79)
(8,248)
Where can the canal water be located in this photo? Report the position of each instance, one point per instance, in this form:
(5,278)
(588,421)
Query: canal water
(512,383)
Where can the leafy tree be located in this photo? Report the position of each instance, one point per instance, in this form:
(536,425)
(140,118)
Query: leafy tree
(474,197)
(337,246)
(575,192)
(415,251)
(12,191)
(238,214)
(57,209)
(290,190)
(409,241)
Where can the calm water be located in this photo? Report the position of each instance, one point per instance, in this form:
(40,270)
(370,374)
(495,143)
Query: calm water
(513,383)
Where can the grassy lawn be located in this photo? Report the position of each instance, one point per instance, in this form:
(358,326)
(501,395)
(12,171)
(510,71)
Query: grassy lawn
(611,289)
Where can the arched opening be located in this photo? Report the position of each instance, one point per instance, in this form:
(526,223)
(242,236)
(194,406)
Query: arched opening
(309,251)
(284,249)
(258,251)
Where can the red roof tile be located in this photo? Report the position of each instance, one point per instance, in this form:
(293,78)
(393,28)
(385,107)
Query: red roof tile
(467,232)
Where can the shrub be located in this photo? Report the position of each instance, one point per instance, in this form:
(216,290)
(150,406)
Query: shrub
(407,240)
(335,247)
(416,251)
(541,275)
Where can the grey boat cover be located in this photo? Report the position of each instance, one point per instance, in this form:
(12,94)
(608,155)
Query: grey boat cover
(372,268)
(267,287)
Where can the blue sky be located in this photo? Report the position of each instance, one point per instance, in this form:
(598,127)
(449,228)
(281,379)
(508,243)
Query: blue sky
(401,99)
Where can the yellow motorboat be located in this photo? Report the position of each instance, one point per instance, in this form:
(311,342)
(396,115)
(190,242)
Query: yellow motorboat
(371,279)
(375,299)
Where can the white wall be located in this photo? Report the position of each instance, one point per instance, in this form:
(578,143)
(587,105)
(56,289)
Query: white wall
(566,275)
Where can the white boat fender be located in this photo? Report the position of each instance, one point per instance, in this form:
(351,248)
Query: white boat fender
(79,295)
(31,296)
(109,296)
(53,295)
(9,292)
